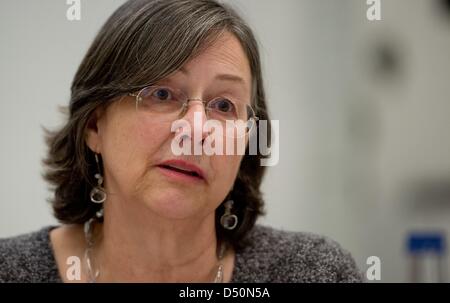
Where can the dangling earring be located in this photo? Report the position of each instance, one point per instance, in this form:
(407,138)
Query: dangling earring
(98,194)
(99,213)
(228,220)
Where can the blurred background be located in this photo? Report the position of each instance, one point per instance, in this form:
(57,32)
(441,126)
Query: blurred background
(364,113)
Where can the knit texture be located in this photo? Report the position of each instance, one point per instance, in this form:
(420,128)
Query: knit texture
(271,255)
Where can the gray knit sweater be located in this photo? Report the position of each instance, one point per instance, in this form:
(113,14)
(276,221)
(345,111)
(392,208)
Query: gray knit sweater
(271,256)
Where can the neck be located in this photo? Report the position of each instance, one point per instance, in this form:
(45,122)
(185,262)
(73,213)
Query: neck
(136,245)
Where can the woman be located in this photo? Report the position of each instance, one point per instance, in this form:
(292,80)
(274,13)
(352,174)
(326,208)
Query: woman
(133,209)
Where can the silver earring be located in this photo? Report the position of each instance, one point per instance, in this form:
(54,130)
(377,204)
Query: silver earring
(99,213)
(98,194)
(228,220)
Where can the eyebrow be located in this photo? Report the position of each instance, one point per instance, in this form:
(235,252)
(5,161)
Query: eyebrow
(223,77)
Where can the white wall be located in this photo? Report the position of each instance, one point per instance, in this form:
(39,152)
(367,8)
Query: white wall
(411,113)
(349,144)
(39,53)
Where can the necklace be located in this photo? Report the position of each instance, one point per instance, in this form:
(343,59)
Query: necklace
(93,274)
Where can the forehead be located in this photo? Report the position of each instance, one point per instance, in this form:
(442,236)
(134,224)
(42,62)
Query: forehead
(225,56)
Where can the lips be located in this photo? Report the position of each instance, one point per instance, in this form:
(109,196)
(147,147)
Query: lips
(183,168)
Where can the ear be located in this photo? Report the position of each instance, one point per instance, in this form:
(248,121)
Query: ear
(92,135)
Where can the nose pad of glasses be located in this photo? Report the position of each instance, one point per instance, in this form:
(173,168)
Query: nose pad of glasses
(185,107)
(183,110)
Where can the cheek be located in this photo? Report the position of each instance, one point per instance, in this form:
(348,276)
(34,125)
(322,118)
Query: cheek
(149,134)
(226,169)
(130,147)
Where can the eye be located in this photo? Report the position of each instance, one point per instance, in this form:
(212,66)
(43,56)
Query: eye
(222,105)
(162,94)
(158,94)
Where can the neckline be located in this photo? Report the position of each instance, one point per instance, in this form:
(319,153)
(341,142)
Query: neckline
(55,269)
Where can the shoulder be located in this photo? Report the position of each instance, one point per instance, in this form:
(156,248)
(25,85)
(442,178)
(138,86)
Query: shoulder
(274,255)
(27,258)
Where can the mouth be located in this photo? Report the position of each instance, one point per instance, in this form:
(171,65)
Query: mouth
(182,170)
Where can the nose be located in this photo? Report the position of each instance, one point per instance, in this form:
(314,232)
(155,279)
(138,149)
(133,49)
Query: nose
(195,114)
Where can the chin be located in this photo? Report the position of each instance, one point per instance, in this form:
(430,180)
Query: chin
(172,204)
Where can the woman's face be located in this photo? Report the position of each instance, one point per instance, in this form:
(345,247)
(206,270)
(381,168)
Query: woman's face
(134,145)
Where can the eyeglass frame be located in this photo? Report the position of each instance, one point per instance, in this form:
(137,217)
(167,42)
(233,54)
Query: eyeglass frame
(185,104)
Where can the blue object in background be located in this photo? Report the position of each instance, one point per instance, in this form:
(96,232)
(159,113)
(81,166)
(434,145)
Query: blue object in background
(423,242)
(428,251)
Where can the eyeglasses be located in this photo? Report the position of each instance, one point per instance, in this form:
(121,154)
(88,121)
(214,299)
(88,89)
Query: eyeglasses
(173,104)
